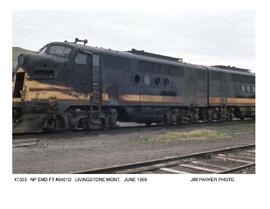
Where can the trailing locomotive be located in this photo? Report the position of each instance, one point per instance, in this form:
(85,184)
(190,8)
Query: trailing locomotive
(67,86)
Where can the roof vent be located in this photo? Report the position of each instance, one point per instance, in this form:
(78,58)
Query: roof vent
(232,68)
(149,54)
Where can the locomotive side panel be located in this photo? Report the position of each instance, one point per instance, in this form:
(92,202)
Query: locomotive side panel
(162,85)
(231,89)
(242,92)
(231,94)
(134,82)
(196,87)
(118,86)
(217,88)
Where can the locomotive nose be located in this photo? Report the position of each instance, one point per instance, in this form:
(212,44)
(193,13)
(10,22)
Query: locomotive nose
(23,60)
(40,66)
(35,60)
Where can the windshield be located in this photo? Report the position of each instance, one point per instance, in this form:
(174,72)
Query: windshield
(59,50)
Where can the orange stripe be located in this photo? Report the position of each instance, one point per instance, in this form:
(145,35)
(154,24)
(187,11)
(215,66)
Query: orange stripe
(105,97)
(216,100)
(130,97)
(231,100)
(151,98)
(241,100)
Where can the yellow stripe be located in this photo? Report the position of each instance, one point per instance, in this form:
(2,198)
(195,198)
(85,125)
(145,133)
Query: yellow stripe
(39,85)
(55,94)
(241,100)
(216,100)
(231,100)
(130,97)
(20,70)
(151,98)
(105,97)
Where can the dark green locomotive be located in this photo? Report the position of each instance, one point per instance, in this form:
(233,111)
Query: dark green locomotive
(72,86)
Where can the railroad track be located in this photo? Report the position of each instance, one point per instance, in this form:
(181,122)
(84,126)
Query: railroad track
(45,135)
(229,160)
(25,142)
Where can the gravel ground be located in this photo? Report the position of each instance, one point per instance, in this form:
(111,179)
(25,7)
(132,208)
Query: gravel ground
(87,151)
(250,170)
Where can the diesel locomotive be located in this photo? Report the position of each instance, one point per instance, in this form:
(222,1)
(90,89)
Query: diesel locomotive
(69,86)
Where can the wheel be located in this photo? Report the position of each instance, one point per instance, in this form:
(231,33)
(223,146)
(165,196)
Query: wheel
(210,117)
(230,116)
(166,120)
(59,123)
(179,120)
(83,124)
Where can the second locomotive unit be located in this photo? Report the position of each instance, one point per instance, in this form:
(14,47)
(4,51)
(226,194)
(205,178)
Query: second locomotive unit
(67,86)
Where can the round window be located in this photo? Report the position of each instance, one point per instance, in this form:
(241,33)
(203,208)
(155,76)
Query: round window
(243,88)
(248,88)
(146,80)
(137,79)
(166,81)
(157,80)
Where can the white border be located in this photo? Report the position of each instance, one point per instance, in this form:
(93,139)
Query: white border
(161,191)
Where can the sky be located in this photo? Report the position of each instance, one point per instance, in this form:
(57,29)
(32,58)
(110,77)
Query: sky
(213,37)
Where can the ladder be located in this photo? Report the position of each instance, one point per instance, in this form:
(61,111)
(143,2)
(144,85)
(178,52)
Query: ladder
(96,89)
(95,101)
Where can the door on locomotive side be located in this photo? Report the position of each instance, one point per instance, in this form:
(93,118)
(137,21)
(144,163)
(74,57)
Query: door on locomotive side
(86,77)
(81,73)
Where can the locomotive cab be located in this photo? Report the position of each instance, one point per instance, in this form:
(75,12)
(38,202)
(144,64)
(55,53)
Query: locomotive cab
(44,67)
(52,81)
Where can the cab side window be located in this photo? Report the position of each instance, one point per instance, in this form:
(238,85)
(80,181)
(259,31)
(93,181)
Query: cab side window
(81,58)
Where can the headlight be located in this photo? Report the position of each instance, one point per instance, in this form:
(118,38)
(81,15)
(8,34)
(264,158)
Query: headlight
(21,59)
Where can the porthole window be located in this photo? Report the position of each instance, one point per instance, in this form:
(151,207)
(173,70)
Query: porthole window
(166,82)
(146,80)
(137,79)
(243,88)
(248,88)
(157,80)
